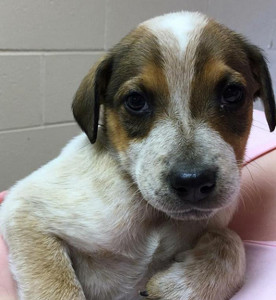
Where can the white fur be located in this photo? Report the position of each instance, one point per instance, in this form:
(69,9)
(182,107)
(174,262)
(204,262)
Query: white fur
(71,207)
(183,26)
(162,148)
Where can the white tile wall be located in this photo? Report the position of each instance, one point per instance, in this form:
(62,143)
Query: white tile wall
(47,46)
(20,91)
(52,24)
(63,74)
(23,151)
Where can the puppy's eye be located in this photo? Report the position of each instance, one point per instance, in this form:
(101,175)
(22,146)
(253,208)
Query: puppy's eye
(232,95)
(136,103)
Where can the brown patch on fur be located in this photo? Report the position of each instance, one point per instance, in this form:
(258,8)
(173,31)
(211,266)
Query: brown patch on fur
(155,81)
(220,55)
(137,67)
(90,95)
(116,132)
(136,56)
(138,49)
(42,261)
(215,70)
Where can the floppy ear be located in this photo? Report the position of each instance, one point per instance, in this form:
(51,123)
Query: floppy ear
(261,75)
(89,96)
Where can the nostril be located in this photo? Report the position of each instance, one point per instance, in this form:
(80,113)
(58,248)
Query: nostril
(207,188)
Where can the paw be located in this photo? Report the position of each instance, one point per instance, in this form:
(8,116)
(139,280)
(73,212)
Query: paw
(210,271)
(172,284)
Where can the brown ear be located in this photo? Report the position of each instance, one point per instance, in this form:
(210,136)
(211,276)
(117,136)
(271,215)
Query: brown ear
(89,96)
(261,75)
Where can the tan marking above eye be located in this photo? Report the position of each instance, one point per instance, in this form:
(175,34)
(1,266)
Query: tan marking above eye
(216,70)
(154,79)
(130,85)
(151,78)
(116,132)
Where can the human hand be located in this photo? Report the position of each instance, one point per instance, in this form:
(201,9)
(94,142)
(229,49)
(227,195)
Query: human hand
(7,284)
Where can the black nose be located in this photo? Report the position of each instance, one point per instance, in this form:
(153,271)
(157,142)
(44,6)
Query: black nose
(192,186)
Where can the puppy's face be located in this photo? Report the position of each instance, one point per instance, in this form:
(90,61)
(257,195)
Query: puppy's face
(178,95)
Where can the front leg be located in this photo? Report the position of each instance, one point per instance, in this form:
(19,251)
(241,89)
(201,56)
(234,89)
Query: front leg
(213,270)
(40,263)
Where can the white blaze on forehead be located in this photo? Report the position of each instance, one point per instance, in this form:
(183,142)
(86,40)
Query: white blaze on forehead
(178,35)
(181,25)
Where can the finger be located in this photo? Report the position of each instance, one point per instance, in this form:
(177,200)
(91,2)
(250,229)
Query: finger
(7,284)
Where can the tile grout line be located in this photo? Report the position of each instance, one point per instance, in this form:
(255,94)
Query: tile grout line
(49,50)
(49,53)
(38,127)
(42,86)
(105,24)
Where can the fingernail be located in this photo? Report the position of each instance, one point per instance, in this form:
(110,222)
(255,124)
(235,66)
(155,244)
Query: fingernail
(144,294)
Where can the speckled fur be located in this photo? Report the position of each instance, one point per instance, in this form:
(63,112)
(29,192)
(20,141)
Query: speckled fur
(100,221)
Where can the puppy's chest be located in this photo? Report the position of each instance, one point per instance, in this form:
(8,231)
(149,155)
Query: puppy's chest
(120,275)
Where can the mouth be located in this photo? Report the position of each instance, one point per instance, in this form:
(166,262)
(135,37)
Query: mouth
(191,214)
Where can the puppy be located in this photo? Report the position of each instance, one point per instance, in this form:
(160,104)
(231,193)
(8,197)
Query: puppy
(142,209)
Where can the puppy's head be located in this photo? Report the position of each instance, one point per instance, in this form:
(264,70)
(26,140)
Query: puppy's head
(178,95)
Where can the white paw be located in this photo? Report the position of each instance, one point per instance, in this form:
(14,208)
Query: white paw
(213,270)
(172,284)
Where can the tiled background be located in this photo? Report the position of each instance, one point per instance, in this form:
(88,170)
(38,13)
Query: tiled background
(47,46)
